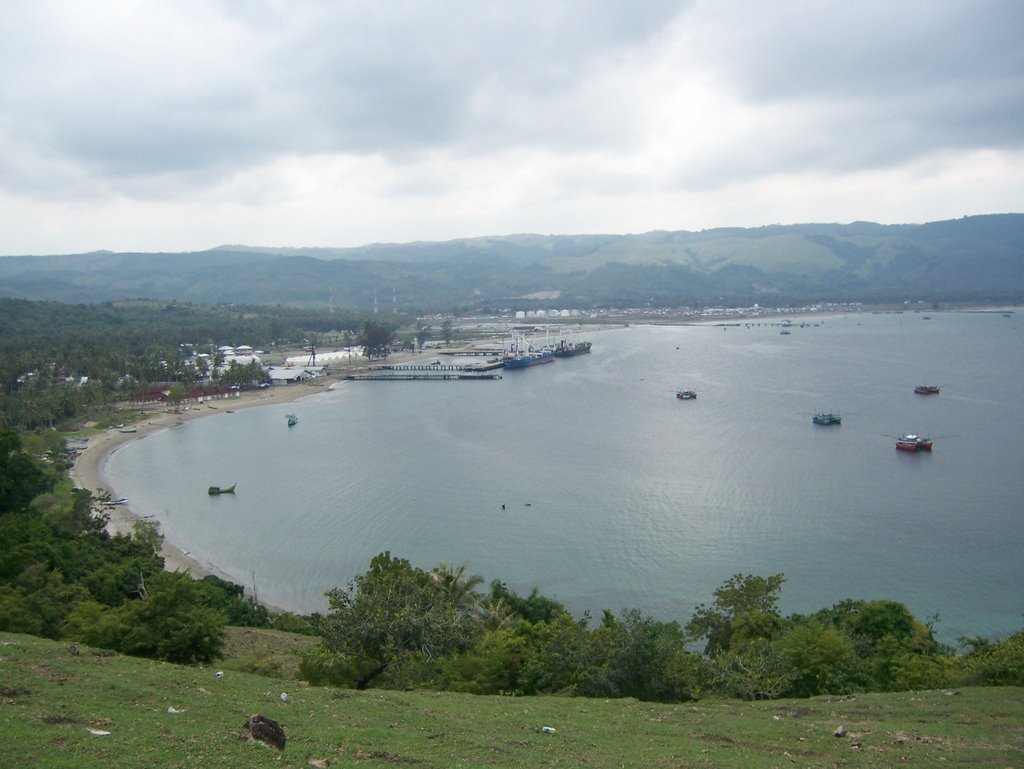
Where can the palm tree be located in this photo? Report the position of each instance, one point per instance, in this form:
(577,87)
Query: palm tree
(458,588)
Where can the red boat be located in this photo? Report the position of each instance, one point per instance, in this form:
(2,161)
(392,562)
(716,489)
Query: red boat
(927,389)
(913,443)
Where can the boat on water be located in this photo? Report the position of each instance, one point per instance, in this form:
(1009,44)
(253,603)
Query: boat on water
(292,420)
(785,332)
(567,348)
(529,358)
(686,395)
(911,442)
(826,418)
(927,389)
(522,354)
(215,490)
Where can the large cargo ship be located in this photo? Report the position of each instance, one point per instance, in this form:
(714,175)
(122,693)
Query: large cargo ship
(524,358)
(566,348)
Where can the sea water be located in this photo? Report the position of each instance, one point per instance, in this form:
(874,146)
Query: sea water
(588,479)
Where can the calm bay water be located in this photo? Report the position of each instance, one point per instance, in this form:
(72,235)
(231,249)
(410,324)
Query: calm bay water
(616,494)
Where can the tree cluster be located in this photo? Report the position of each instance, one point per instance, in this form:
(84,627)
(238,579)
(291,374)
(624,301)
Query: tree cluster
(62,575)
(399,626)
(60,362)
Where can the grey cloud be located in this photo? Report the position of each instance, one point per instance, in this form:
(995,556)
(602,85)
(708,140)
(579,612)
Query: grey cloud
(302,78)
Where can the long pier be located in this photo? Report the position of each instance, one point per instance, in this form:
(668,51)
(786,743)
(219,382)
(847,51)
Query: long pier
(426,373)
(439,367)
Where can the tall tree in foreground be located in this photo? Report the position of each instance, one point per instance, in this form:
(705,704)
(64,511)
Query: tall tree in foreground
(392,611)
(745,609)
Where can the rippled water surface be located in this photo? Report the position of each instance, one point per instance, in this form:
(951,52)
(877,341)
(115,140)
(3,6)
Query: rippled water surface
(588,479)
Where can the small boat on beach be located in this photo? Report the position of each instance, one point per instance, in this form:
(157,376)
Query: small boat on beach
(215,490)
(292,420)
(121,501)
(686,395)
(911,442)
(826,418)
(127,429)
(927,389)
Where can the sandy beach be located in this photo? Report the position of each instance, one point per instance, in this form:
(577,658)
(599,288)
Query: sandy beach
(87,472)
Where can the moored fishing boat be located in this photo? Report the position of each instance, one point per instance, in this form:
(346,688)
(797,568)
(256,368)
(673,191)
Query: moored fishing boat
(527,358)
(522,354)
(215,490)
(911,442)
(827,418)
(686,395)
(292,420)
(927,389)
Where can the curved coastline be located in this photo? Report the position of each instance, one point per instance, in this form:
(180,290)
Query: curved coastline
(88,471)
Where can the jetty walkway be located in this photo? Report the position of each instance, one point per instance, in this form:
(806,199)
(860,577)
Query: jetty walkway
(432,372)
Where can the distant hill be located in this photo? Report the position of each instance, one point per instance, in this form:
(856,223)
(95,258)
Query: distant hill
(973,259)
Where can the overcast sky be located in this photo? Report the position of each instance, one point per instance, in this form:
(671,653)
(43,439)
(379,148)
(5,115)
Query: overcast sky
(161,126)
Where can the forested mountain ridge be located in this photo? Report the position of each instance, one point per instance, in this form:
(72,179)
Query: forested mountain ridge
(973,259)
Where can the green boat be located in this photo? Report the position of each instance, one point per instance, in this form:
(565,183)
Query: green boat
(215,490)
(292,420)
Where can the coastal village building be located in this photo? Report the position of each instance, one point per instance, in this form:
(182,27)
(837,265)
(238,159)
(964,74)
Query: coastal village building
(286,375)
(194,395)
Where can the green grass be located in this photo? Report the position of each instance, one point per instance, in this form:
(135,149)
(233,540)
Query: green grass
(52,695)
(271,653)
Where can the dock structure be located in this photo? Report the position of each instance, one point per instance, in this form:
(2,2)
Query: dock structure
(478,352)
(426,374)
(490,366)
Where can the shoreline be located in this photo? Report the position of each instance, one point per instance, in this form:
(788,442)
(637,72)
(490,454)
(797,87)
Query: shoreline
(88,470)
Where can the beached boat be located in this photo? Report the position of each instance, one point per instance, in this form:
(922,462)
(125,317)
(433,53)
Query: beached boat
(292,420)
(566,348)
(686,395)
(927,389)
(127,429)
(215,490)
(911,442)
(826,418)
(121,501)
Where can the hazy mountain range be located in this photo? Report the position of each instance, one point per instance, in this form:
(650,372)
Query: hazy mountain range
(973,259)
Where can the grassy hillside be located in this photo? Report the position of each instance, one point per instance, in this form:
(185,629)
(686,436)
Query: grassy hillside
(64,706)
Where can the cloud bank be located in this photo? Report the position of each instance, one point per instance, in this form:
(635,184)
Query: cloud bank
(141,125)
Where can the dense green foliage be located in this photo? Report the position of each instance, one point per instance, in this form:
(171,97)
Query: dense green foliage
(397,626)
(63,576)
(59,362)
